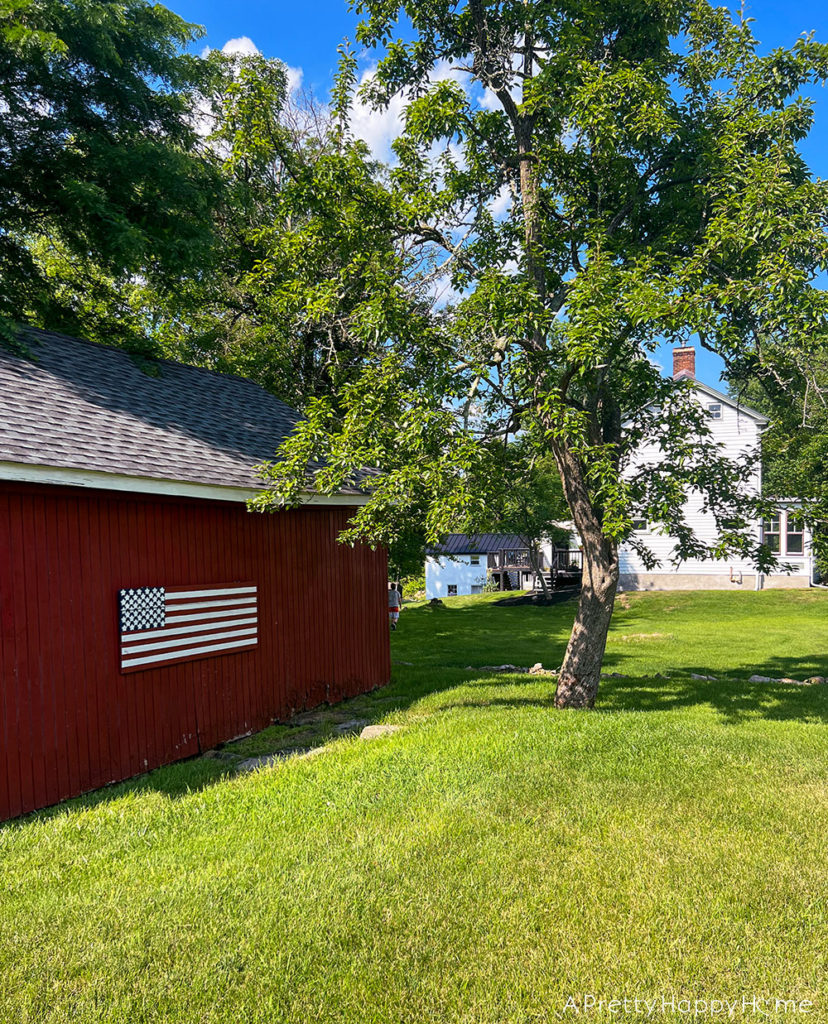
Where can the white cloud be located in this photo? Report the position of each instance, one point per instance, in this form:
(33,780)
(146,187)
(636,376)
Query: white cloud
(444,71)
(499,206)
(244,46)
(488,100)
(294,78)
(379,128)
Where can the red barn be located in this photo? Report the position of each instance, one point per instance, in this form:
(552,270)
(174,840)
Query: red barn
(145,614)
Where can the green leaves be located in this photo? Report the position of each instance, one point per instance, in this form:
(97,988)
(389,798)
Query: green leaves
(97,147)
(587,179)
(572,183)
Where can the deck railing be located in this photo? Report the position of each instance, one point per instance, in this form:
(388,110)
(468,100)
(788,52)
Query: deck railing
(512,558)
(567,560)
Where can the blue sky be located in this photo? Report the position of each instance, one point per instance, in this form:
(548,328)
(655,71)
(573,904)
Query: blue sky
(305,36)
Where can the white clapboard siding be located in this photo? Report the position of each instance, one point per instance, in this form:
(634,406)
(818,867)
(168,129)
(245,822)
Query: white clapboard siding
(737,432)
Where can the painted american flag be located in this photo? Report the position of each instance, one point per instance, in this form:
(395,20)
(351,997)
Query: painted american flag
(164,625)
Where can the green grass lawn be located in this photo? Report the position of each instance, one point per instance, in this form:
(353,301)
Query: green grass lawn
(486,863)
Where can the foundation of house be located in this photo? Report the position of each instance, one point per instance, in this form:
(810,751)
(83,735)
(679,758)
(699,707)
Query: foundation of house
(709,581)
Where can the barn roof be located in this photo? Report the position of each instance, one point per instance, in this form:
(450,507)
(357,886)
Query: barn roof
(477,544)
(74,405)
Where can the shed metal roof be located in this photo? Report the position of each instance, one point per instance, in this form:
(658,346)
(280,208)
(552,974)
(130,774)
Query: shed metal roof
(477,544)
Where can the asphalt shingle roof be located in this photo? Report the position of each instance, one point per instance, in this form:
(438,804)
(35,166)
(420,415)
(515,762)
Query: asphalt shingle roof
(74,404)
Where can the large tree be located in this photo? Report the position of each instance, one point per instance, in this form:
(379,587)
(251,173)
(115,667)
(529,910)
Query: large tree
(287,262)
(100,175)
(591,178)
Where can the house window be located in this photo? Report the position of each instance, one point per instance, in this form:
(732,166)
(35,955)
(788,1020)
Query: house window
(714,410)
(640,525)
(770,530)
(794,536)
(474,559)
(452,590)
(477,588)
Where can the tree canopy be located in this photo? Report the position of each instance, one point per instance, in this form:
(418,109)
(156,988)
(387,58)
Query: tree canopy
(794,393)
(97,165)
(590,179)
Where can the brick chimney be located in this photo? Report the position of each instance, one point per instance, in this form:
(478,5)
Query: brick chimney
(684,362)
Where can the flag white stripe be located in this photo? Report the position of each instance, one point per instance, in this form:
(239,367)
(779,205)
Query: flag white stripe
(203,627)
(161,645)
(248,609)
(180,595)
(128,663)
(222,603)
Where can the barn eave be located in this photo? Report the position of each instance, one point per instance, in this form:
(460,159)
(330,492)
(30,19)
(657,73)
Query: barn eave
(62,476)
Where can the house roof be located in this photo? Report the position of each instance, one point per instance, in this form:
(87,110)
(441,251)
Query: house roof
(720,396)
(477,544)
(73,405)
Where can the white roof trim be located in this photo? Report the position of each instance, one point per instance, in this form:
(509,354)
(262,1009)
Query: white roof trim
(762,420)
(67,477)
(727,399)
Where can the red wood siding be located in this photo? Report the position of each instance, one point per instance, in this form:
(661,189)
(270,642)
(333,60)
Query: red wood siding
(71,722)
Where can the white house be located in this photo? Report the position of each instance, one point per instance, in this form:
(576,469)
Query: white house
(737,429)
(462,564)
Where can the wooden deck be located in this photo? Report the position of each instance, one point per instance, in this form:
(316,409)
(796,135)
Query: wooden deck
(509,567)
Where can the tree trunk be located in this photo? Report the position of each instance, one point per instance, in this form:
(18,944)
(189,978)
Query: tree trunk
(580,673)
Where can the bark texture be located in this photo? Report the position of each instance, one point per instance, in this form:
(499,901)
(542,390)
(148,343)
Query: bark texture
(580,674)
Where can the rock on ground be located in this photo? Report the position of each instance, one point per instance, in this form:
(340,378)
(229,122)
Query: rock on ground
(810,681)
(502,668)
(370,732)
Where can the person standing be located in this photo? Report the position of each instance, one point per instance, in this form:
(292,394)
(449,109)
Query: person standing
(394,602)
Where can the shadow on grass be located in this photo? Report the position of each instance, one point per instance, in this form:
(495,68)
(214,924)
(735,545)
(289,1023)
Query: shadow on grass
(429,651)
(733,699)
(182,778)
